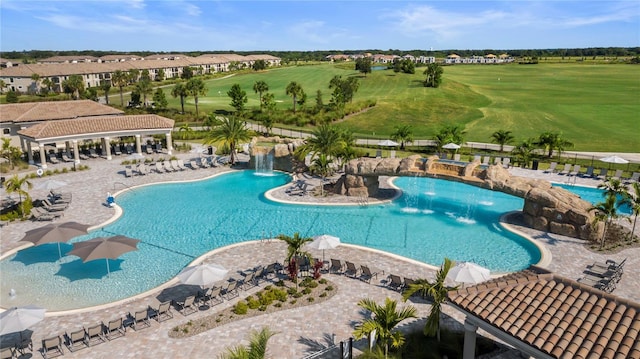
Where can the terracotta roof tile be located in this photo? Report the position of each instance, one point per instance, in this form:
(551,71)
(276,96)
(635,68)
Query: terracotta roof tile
(556,315)
(53,110)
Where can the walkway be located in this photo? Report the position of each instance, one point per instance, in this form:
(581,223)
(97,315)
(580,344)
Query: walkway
(300,330)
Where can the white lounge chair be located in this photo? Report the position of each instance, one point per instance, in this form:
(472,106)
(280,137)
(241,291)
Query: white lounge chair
(552,167)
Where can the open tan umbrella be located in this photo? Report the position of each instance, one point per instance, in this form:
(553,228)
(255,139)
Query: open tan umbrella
(469,272)
(203,274)
(55,232)
(323,242)
(104,247)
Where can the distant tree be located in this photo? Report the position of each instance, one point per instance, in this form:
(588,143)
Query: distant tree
(302,99)
(187,73)
(319,102)
(294,90)
(145,75)
(185,130)
(235,66)
(405,66)
(238,97)
(268,102)
(3,85)
(133,75)
(552,141)
(36,82)
(260,87)
(144,88)
(230,131)
(196,88)
(160,100)
(363,65)
(259,65)
(180,90)
(434,75)
(120,80)
(14,185)
(502,137)
(524,152)
(403,133)
(10,153)
(449,134)
(105,86)
(91,93)
(12,96)
(73,86)
(135,99)
(343,90)
(160,75)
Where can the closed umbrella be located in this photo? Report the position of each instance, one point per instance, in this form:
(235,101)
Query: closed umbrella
(203,274)
(18,319)
(469,272)
(323,242)
(104,247)
(55,232)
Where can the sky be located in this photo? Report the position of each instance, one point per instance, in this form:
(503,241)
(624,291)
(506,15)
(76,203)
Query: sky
(201,25)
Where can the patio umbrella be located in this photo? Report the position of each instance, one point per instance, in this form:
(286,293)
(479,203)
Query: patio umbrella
(451,146)
(104,247)
(614,159)
(55,232)
(387,143)
(50,184)
(18,319)
(203,274)
(469,272)
(323,242)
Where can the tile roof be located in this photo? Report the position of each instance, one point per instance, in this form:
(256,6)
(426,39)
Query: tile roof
(98,124)
(555,315)
(53,110)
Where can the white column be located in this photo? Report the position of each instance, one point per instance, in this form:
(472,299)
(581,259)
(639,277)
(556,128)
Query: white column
(138,145)
(169,144)
(107,146)
(29,153)
(22,145)
(67,147)
(469,351)
(43,156)
(76,153)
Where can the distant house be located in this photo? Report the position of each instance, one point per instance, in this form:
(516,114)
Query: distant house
(70,59)
(477,59)
(338,57)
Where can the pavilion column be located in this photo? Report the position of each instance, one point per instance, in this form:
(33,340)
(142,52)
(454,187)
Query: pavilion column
(43,156)
(169,144)
(76,153)
(29,153)
(138,145)
(22,145)
(67,147)
(107,147)
(469,351)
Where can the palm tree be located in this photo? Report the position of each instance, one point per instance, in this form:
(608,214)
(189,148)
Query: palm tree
(15,184)
(606,212)
(403,134)
(613,187)
(105,85)
(524,153)
(36,82)
(434,75)
(383,320)
(257,348)
(551,141)
(325,139)
(74,85)
(437,291)
(260,87)
(502,137)
(322,166)
(3,85)
(185,129)
(294,251)
(120,80)
(144,88)
(633,200)
(195,87)
(231,131)
(180,90)
(294,90)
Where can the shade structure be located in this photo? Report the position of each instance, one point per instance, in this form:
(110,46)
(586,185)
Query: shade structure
(104,247)
(18,319)
(203,274)
(614,159)
(468,272)
(55,232)
(323,242)
(50,184)
(451,146)
(388,143)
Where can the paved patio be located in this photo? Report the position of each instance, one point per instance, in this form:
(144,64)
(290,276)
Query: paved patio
(301,330)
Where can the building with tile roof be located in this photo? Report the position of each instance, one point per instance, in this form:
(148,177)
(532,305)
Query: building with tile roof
(545,315)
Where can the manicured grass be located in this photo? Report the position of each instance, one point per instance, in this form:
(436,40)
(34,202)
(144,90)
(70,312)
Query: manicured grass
(594,106)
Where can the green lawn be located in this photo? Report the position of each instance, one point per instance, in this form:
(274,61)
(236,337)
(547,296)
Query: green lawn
(595,106)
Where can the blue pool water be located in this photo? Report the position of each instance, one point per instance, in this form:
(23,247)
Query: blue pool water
(176,223)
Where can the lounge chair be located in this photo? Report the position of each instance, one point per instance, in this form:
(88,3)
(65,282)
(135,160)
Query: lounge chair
(497,160)
(176,166)
(142,169)
(163,312)
(249,280)
(203,162)
(231,290)
(603,173)
(181,165)
(76,340)
(52,347)
(53,159)
(140,319)
(477,158)
(66,158)
(394,282)
(54,207)
(258,274)
(128,172)
(160,168)
(635,177)
(611,265)
(168,167)
(8,353)
(589,172)
(188,305)
(576,170)
(336,266)
(552,167)
(211,296)
(40,214)
(116,150)
(92,153)
(506,162)
(485,160)
(606,285)
(115,329)
(95,334)
(193,165)
(158,147)
(617,175)
(566,169)
(366,274)
(148,149)
(352,270)
(456,157)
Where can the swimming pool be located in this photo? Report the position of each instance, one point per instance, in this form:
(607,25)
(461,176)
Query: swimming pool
(176,223)
(592,195)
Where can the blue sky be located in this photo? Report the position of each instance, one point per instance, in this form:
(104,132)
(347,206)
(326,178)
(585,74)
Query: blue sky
(183,25)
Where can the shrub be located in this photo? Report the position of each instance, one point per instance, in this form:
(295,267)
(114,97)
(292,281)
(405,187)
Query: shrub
(280,283)
(322,281)
(297,295)
(324,294)
(310,299)
(253,303)
(278,305)
(262,308)
(291,291)
(240,308)
(329,288)
(292,302)
(65,170)
(306,291)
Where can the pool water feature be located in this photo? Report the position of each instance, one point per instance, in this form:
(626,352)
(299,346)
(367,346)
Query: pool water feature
(177,223)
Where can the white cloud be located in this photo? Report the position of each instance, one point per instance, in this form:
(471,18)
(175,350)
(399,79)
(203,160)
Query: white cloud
(310,31)
(192,10)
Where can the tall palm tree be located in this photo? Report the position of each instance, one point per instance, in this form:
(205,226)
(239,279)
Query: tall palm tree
(322,166)
(294,250)
(230,131)
(434,75)
(144,88)
(15,184)
(403,134)
(294,90)
(606,212)
(257,348)
(36,82)
(120,80)
(437,291)
(260,87)
(502,137)
(633,200)
(73,85)
(613,186)
(325,139)
(196,88)
(524,153)
(551,141)
(383,320)
(185,129)
(180,90)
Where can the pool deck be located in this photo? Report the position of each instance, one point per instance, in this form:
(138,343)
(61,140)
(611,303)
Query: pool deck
(300,331)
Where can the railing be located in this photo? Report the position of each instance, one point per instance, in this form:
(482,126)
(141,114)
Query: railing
(342,350)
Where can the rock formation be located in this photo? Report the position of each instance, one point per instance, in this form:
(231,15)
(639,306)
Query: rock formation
(282,152)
